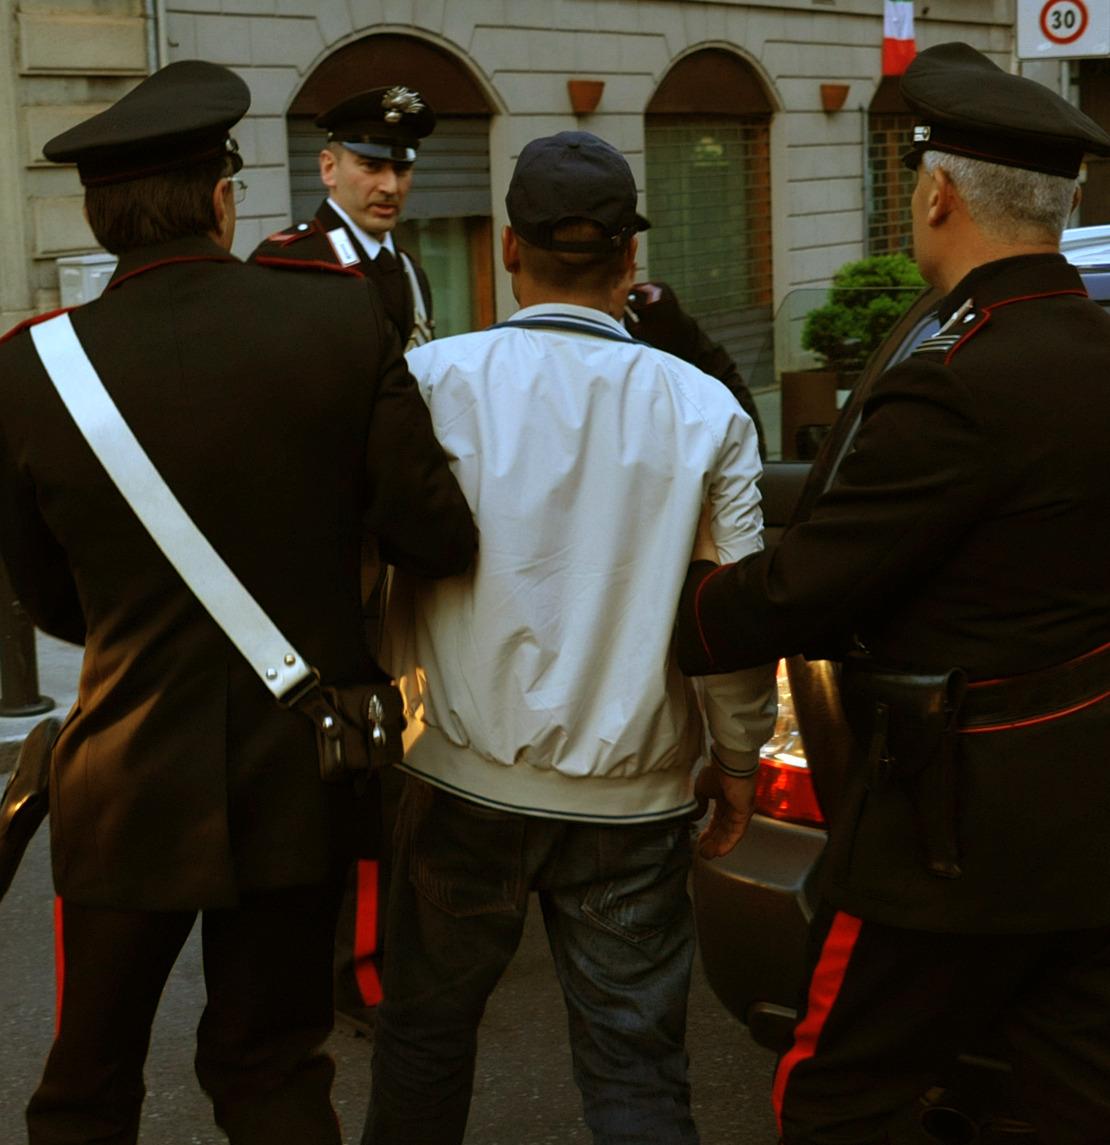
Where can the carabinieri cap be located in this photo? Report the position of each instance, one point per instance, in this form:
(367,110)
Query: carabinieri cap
(383,123)
(176,117)
(966,105)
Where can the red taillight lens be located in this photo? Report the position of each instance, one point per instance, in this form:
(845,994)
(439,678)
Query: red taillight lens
(784,786)
(784,790)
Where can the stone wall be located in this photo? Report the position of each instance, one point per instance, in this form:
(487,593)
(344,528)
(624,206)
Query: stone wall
(65,58)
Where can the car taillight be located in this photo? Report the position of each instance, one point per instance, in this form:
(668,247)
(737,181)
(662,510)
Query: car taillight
(784,786)
(784,790)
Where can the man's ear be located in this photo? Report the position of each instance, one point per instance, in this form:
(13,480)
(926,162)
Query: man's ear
(510,250)
(943,197)
(327,167)
(223,207)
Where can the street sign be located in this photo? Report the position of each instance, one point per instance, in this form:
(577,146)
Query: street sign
(1063,29)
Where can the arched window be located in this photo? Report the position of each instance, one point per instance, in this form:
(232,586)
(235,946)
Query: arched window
(708,176)
(447,224)
(889,184)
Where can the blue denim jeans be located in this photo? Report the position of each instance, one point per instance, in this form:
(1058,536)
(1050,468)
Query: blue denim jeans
(621,932)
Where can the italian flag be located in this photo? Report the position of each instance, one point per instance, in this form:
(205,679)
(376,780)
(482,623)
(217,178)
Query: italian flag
(898,45)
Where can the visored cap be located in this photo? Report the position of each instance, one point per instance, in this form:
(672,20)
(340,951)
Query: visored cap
(176,117)
(382,123)
(967,105)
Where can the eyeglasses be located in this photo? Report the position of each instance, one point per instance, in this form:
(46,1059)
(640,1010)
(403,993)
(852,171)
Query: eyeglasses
(238,190)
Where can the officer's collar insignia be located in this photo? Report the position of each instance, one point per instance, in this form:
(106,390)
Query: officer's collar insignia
(922,133)
(951,332)
(399,101)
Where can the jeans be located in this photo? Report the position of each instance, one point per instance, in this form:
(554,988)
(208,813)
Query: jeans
(621,932)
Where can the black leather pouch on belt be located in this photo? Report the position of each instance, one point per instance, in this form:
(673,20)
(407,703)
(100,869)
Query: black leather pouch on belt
(26,798)
(905,723)
(358,728)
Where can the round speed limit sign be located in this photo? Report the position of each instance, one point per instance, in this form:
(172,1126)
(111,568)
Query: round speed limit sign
(1064,21)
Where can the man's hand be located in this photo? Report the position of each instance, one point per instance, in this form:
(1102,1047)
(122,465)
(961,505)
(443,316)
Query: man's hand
(733,804)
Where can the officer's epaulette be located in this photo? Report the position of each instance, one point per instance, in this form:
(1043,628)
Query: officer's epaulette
(304,264)
(34,320)
(291,234)
(949,336)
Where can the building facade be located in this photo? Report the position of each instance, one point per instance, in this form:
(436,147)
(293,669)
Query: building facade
(763,138)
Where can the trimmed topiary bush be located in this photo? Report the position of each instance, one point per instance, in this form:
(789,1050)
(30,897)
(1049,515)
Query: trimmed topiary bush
(866,299)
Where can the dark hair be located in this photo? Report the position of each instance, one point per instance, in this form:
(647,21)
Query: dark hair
(574,270)
(156,208)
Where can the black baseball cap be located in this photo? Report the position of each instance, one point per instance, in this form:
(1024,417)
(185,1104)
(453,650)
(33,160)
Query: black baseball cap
(176,117)
(573,176)
(382,123)
(967,105)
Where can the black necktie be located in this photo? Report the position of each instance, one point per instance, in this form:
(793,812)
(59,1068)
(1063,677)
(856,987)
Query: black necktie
(394,291)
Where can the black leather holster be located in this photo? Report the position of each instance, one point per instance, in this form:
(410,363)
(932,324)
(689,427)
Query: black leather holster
(905,724)
(26,798)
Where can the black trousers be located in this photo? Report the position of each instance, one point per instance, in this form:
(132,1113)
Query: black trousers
(360,933)
(268,974)
(888,1010)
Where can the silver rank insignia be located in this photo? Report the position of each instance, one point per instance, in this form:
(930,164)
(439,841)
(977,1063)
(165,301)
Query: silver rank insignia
(922,133)
(399,101)
(955,329)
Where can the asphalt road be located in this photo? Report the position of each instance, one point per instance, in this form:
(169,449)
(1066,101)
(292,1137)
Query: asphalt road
(524,1093)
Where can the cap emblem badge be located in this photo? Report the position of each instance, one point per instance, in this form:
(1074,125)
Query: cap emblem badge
(399,101)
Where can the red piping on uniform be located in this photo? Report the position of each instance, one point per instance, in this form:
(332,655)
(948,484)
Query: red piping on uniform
(59,965)
(34,320)
(366,932)
(306,264)
(824,987)
(1045,719)
(697,609)
(166,262)
(988,310)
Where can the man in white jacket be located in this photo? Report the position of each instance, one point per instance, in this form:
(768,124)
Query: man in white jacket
(551,740)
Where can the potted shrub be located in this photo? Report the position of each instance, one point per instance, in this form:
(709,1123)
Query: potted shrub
(865,300)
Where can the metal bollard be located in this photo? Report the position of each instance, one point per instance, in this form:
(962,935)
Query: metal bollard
(19,674)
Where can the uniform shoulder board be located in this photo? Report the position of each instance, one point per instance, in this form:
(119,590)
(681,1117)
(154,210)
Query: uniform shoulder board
(34,320)
(291,234)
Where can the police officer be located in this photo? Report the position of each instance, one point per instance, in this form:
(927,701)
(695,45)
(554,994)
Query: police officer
(367,167)
(963,551)
(178,785)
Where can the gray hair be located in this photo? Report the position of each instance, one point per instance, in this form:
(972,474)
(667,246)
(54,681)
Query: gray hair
(1008,203)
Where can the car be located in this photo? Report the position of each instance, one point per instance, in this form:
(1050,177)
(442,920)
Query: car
(753,906)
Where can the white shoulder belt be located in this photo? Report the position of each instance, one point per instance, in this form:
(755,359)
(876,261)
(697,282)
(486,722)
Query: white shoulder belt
(269,653)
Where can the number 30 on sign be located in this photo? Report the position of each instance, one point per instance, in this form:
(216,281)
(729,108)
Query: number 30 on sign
(1065,29)
(1064,21)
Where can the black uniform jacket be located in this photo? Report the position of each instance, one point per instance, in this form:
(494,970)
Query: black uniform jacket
(286,423)
(966,528)
(309,243)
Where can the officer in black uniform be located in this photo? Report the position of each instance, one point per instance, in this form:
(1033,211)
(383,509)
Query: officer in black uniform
(178,784)
(367,167)
(963,552)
